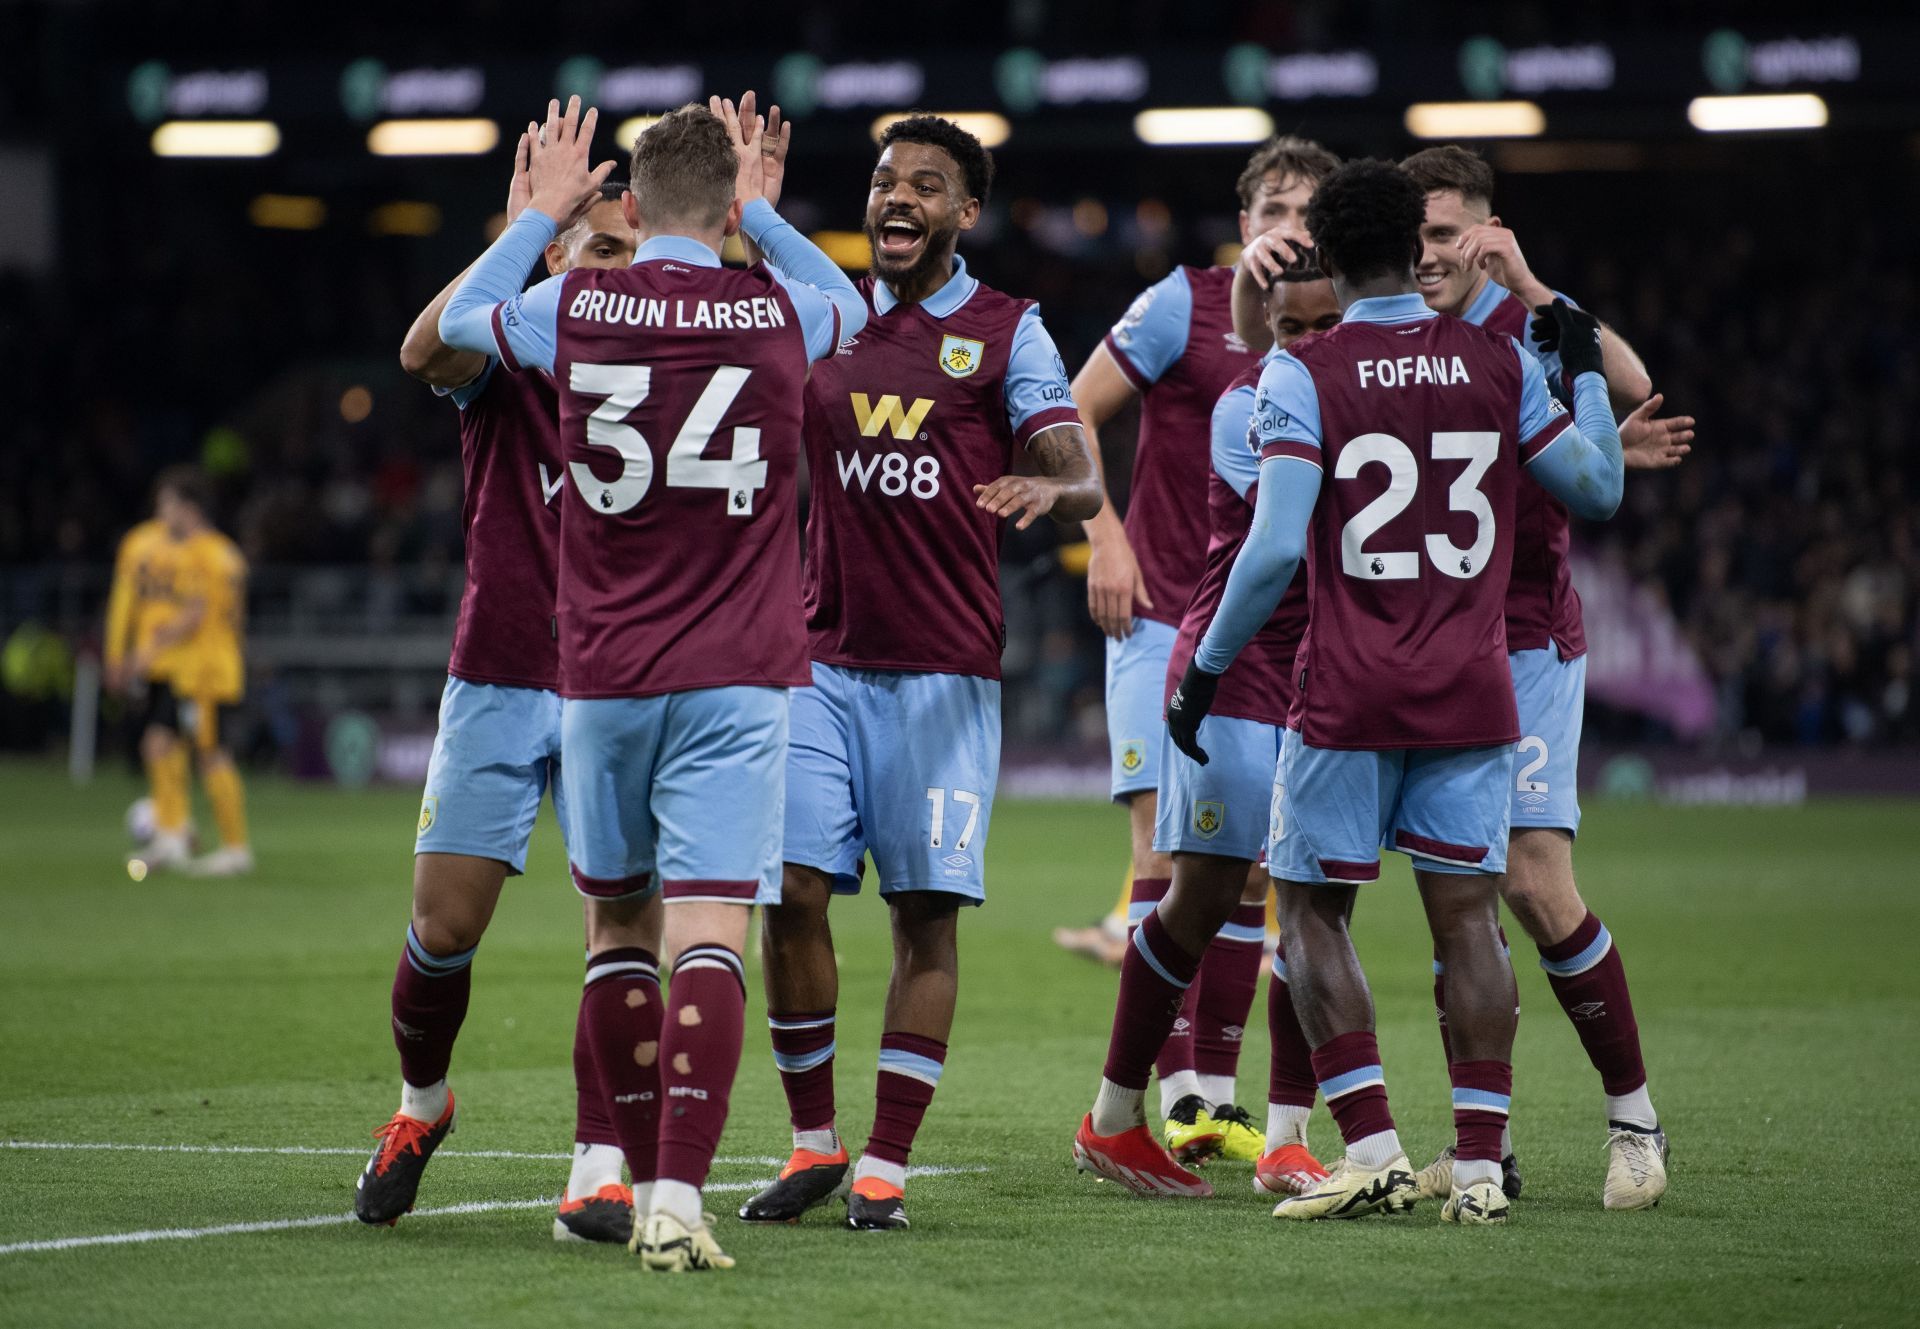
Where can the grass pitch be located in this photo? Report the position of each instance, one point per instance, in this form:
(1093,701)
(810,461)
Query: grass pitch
(188,1023)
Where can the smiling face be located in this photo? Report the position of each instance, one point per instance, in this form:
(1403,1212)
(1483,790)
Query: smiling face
(1447,284)
(916,208)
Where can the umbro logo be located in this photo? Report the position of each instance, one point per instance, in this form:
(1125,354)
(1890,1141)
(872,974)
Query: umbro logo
(1589,1010)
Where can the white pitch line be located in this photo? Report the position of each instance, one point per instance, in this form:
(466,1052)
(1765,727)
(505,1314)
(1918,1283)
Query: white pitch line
(338,1220)
(759,1160)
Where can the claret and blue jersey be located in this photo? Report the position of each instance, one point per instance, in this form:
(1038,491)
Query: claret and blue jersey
(1392,447)
(895,750)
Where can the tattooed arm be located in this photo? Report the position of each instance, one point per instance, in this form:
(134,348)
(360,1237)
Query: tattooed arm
(1066,489)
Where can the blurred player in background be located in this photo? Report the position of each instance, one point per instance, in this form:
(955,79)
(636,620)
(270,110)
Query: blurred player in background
(1176,349)
(1213,818)
(679,618)
(141,599)
(1402,730)
(180,598)
(912,435)
(498,747)
(1471,266)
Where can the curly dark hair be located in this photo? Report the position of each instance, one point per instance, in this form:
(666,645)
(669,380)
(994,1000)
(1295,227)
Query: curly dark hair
(975,162)
(1365,219)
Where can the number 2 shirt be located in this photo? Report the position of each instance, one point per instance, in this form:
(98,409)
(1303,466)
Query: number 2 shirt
(1420,425)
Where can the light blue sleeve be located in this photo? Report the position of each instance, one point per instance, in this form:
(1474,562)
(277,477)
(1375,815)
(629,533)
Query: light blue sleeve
(463,396)
(1538,406)
(1266,564)
(1286,406)
(525,321)
(823,296)
(1549,360)
(1152,334)
(1583,467)
(1036,381)
(1234,458)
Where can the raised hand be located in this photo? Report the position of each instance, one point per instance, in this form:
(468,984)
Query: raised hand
(744,130)
(1272,252)
(520,189)
(1496,251)
(560,183)
(1648,443)
(1574,333)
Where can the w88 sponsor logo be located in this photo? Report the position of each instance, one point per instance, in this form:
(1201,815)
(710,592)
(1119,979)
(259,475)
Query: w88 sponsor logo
(891,473)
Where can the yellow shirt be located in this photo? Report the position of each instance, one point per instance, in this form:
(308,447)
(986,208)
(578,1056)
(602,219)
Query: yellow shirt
(144,595)
(208,665)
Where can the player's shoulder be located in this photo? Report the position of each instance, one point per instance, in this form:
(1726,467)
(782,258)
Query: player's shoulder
(142,536)
(1214,281)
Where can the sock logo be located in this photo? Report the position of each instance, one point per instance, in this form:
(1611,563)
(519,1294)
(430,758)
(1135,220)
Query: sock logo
(1589,1010)
(687,1091)
(1182,1027)
(407,1031)
(644,1096)
(1233,1033)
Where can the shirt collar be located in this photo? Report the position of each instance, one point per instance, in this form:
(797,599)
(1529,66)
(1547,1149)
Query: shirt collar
(682,247)
(1485,303)
(959,288)
(1403,308)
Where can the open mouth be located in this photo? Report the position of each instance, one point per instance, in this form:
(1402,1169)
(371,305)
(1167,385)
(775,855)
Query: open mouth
(1430,281)
(899,238)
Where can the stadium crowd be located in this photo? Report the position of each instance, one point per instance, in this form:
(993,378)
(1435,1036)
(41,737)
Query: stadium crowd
(1786,546)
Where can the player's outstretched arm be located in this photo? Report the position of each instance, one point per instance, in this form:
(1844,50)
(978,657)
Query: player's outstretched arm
(1264,568)
(1583,465)
(561,189)
(830,308)
(1066,488)
(422,353)
(1260,264)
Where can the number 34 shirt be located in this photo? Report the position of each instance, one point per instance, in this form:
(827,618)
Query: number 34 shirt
(920,406)
(680,403)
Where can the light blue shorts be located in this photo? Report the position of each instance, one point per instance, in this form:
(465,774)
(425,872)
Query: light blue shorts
(1333,811)
(1136,705)
(1223,807)
(898,765)
(497,752)
(1552,696)
(682,790)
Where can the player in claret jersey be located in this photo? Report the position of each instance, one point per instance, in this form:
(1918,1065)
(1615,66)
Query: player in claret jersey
(1175,348)
(1391,450)
(912,431)
(498,748)
(1472,267)
(1213,818)
(679,618)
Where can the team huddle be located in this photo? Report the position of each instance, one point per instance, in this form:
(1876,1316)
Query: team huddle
(1351,607)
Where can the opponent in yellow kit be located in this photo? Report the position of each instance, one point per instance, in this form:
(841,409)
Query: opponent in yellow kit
(174,632)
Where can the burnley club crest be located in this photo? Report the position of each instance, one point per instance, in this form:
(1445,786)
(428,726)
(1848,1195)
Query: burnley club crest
(960,356)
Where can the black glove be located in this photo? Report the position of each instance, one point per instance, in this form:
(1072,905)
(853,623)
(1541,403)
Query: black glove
(1188,706)
(1574,333)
